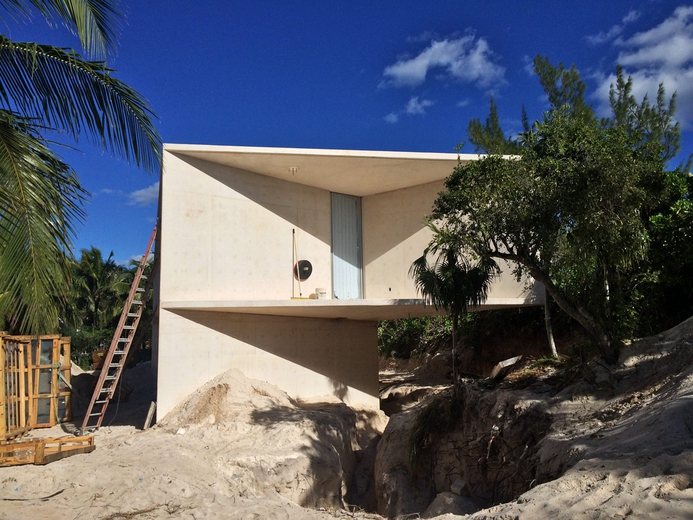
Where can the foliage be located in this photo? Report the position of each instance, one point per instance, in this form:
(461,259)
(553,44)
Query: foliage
(489,137)
(99,290)
(43,89)
(572,208)
(84,341)
(40,197)
(411,337)
(454,282)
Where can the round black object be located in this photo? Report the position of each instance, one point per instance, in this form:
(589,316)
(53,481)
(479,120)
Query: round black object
(302,270)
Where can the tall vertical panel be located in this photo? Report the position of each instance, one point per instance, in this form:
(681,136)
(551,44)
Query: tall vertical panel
(346,246)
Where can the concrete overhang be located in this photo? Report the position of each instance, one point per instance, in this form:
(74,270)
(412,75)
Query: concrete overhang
(352,172)
(368,310)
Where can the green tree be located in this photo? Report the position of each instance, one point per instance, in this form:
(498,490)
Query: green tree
(571,209)
(454,282)
(489,137)
(44,89)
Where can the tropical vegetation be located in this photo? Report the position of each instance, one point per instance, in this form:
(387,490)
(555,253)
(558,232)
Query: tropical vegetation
(95,301)
(587,206)
(47,90)
(454,282)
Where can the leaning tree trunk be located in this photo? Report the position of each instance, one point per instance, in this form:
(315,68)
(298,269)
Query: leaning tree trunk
(454,351)
(597,332)
(549,328)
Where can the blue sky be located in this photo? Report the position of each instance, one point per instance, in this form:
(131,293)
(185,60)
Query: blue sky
(380,75)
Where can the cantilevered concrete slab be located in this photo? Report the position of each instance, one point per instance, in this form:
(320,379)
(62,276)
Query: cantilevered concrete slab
(354,172)
(365,310)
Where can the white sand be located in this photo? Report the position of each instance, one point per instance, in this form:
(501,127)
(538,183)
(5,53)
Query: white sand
(231,456)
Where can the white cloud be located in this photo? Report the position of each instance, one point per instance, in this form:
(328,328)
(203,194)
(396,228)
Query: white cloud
(614,31)
(465,59)
(663,54)
(109,191)
(392,118)
(414,106)
(463,103)
(670,44)
(145,196)
(528,65)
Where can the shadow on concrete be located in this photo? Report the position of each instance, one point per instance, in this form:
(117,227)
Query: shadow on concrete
(293,339)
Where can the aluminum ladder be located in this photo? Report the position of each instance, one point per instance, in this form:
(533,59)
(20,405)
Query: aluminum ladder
(114,361)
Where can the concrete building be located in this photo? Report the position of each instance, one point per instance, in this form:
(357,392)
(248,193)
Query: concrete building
(234,223)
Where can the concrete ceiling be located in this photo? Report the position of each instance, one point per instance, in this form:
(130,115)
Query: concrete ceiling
(353,172)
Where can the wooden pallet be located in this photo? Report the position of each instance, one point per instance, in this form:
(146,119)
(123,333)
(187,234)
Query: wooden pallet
(43,451)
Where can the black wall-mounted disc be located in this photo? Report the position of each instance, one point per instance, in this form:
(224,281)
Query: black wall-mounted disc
(302,270)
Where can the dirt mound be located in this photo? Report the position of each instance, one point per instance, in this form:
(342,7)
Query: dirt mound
(236,448)
(265,442)
(224,399)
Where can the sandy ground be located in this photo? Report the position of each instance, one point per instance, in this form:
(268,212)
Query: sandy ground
(630,446)
(219,456)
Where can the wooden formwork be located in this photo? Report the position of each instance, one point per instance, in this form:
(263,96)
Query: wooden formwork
(34,383)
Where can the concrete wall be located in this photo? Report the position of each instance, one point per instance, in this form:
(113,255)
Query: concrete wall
(227,234)
(394,235)
(304,357)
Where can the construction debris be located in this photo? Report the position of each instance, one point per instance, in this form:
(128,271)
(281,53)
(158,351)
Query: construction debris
(503,368)
(43,451)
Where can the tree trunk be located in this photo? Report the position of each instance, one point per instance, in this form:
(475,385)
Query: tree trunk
(549,329)
(594,329)
(454,351)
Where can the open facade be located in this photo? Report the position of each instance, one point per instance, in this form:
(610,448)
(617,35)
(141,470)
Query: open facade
(234,223)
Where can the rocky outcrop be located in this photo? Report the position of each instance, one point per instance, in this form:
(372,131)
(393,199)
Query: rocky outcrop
(593,441)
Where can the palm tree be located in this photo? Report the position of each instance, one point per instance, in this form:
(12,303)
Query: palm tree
(42,89)
(453,283)
(100,288)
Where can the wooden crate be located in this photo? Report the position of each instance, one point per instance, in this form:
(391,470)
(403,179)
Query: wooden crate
(34,383)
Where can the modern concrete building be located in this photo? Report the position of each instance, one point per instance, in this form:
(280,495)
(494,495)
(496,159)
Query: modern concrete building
(235,221)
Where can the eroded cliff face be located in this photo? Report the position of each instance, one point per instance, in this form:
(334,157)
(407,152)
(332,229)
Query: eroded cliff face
(487,442)
(600,438)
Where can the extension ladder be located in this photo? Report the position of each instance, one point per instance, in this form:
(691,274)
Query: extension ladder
(117,354)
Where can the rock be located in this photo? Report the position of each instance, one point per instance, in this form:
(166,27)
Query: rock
(450,503)
(439,366)
(459,487)
(399,490)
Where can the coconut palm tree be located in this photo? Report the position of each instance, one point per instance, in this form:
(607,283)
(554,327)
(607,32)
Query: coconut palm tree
(100,288)
(44,89)
(453,282)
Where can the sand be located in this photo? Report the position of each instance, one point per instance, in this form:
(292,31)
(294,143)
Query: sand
(630,447)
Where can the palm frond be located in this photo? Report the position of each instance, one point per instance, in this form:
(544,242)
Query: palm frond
(97,23)
(40,200)
(61,90)
(452,282)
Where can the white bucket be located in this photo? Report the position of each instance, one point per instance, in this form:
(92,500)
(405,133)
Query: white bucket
(321,293)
